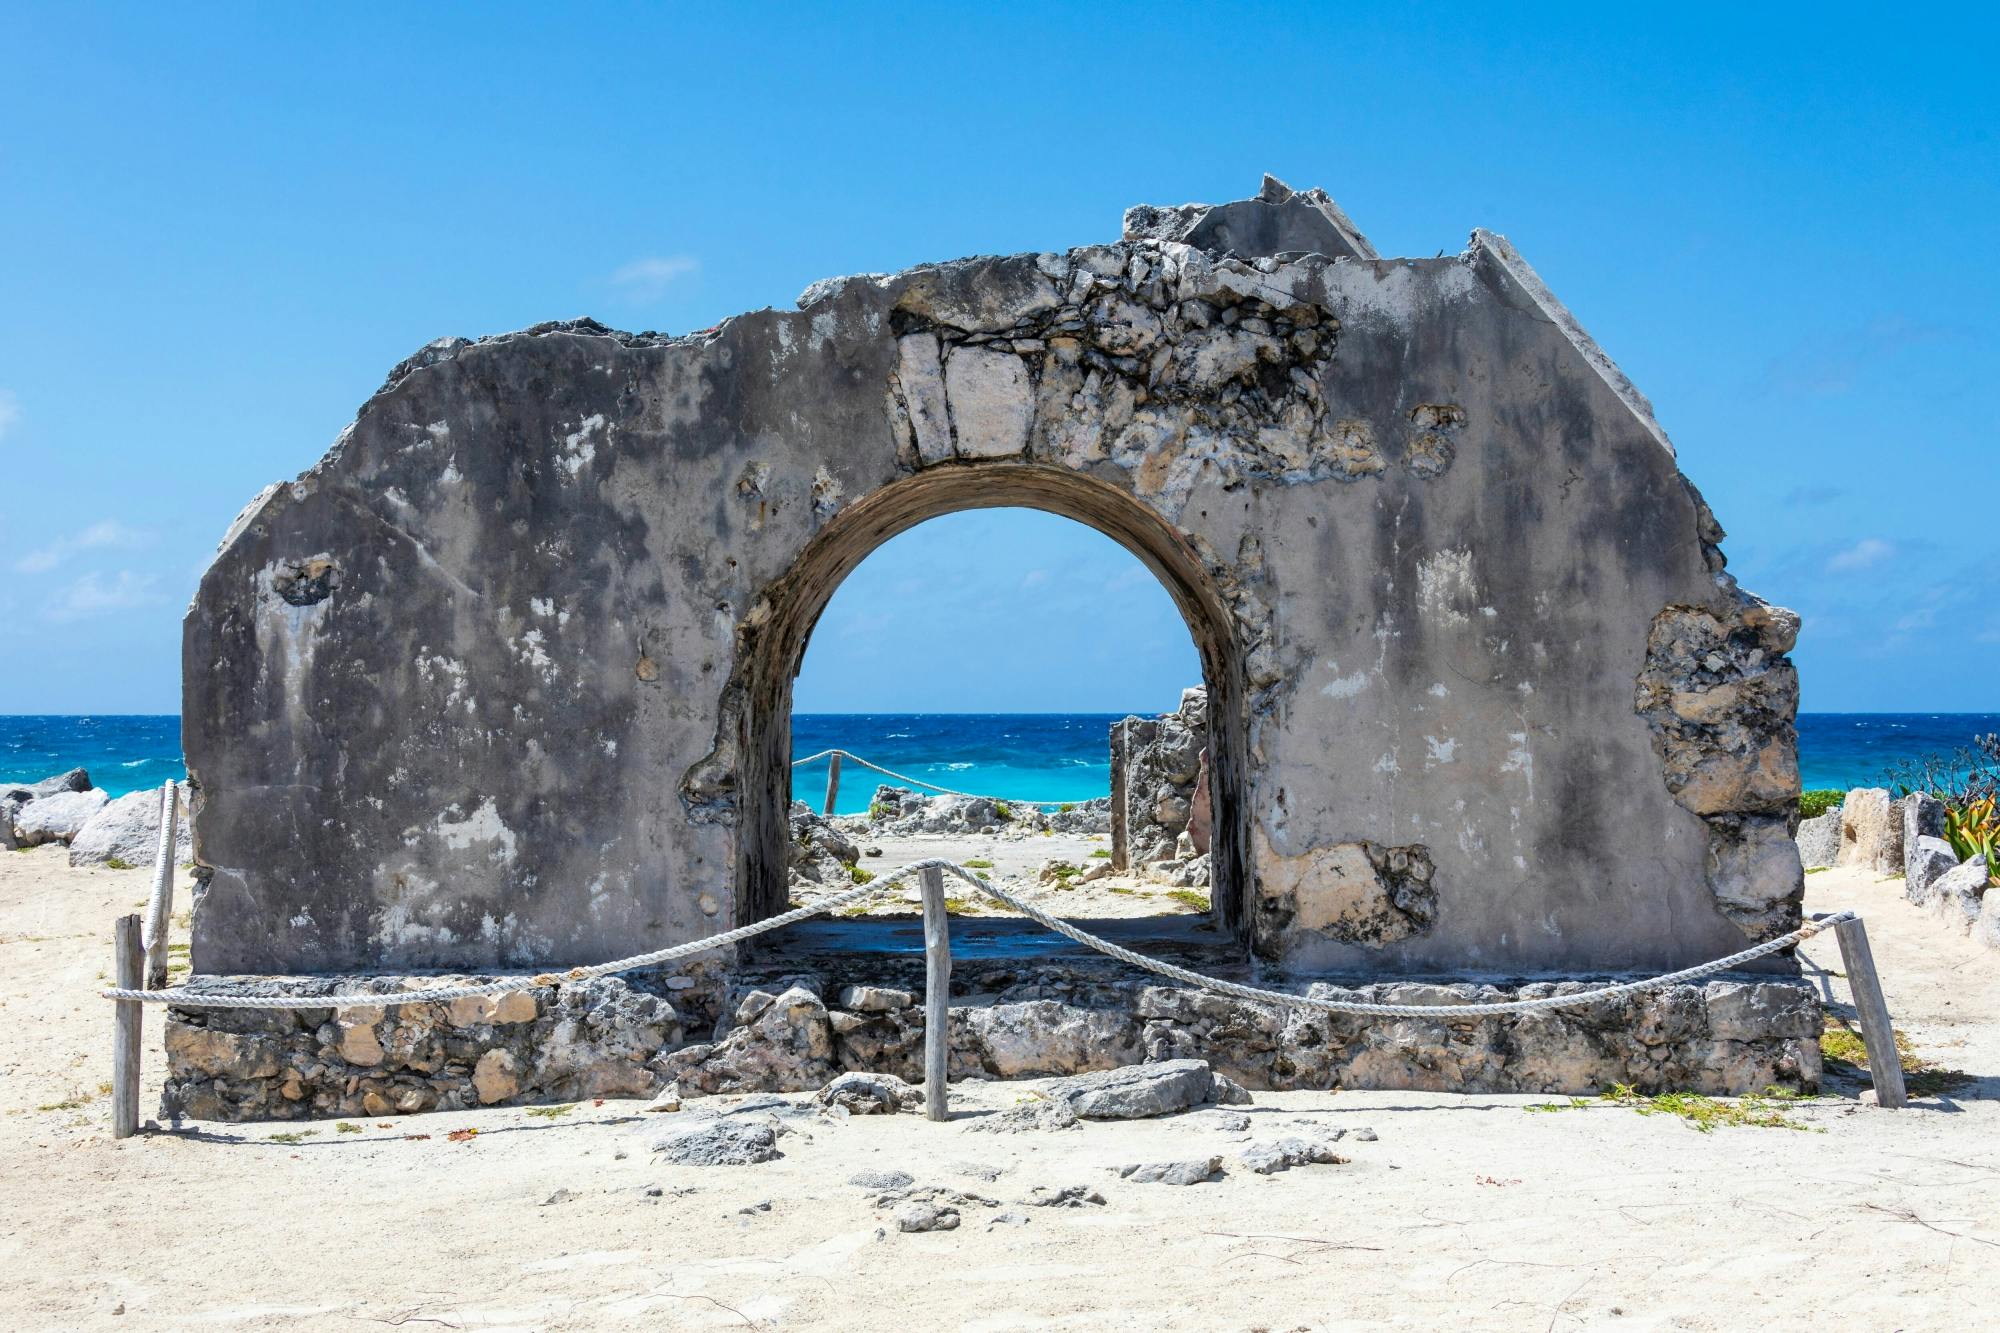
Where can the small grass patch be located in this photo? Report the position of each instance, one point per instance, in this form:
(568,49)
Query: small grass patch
(297,1136)
(978,863)
(74,1103)
(859,909)
(1816,870)
(1706,1114)
(550,1112)
(1194,898)
(1002,809)
(859,875)
(1129,893)
(118,863)
(345,1127)
(961,906)
(1845,1053)
(880,809)
(1100,853)
(1065,807)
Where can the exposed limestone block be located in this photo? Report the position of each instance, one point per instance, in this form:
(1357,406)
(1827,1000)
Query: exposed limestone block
(1354,892)
(992,402)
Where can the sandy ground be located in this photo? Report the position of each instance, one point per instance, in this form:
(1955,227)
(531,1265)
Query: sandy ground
(1468,1212)
(1016,863)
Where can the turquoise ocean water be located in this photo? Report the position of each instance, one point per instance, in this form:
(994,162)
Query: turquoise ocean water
(1015,756)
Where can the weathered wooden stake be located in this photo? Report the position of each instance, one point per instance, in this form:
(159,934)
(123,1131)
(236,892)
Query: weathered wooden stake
(128,964)
(1885,1062)
(160,907)
(937,992)
(832,781)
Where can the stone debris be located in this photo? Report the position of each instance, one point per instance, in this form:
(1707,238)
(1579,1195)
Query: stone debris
(870,1094)
(666,1099)
(1140,1092)
(1062,1196)
(875,999)
(1270,1158)
(782,1043)
(1226,1122)
(1009,1218)
(918,1215)
(1959,894)
(882,1180)
(725,1142)
(15,796)
(560,1196)
(1031,1117)
(1189,1171)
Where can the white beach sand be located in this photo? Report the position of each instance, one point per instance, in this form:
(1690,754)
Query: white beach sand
(1468,1212)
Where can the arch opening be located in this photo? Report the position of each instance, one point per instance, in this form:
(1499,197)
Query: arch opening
(775,651)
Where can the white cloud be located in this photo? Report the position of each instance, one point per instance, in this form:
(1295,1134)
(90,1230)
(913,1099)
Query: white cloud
(95,595)
(97,536)
(10,411)
(1868,551)
(648,279)
(1034,578)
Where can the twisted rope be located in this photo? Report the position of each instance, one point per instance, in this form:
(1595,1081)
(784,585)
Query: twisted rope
(919,782)
(182,998)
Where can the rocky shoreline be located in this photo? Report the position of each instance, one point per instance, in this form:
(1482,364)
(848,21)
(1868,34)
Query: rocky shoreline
(98,830)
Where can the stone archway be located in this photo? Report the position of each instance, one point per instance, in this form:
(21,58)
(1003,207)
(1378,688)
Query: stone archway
(499,681)
(771,653)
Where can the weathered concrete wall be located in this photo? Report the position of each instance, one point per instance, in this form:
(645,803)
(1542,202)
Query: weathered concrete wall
(505,679)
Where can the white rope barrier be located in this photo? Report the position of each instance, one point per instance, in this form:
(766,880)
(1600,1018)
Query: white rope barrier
(181,997)
(919,782)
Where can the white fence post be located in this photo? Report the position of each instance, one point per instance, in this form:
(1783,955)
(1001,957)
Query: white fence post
(937,993)
(160,907)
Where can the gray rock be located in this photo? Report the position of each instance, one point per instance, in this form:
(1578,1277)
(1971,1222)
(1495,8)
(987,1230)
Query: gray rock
(1010,1218)
(1140,1092)
(875,999)
(57,818)
(1958,894)
(920,1215)
(1926,860)
(1189,1171)
(74,780)
(870,1094)
(1062,1196)
(1871,832)
(1923,817)
(727,1142)
(1270,1158)
(1035,1116)
(1819,840)
(785,1046)
(882,1180)
(127,829)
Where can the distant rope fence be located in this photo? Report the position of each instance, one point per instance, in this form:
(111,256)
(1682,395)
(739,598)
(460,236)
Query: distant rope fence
(834,756)
(131,992)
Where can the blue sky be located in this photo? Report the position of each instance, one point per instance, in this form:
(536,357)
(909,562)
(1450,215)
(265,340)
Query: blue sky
(222,225)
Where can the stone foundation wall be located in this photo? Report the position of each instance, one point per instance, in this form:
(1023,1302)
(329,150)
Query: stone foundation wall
(793,1029)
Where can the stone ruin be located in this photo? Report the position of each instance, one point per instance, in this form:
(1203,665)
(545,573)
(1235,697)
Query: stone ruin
(1160,809)
(504,681)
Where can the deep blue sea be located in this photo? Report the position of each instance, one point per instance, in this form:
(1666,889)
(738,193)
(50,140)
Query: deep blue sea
(1015,756)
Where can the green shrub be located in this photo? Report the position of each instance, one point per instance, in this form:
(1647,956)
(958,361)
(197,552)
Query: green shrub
(1000,809)
(860,876)
(118,863)
(979,863)
(1814,803)
(1102,853)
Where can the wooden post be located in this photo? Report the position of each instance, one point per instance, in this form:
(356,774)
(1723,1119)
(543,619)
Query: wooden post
(129,961)
(160,907)
(832,782)
(937,993)
(1885,1062)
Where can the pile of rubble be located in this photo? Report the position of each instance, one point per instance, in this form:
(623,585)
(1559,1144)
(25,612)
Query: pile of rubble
(97,829)
(1870,831)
